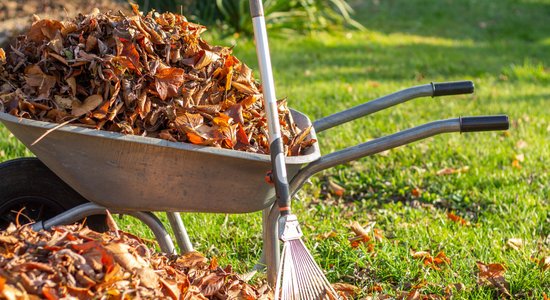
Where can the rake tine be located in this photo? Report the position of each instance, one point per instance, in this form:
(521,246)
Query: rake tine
(301,276)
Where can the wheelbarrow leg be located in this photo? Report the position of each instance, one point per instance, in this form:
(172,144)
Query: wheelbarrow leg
(271,250)
(182,238)
(79,212)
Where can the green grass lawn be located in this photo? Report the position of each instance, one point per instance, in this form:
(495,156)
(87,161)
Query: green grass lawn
(504,47)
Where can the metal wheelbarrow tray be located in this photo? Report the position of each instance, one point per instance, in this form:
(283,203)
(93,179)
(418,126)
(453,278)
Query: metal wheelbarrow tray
(135,173)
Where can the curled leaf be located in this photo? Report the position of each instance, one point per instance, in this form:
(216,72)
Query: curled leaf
(89,104)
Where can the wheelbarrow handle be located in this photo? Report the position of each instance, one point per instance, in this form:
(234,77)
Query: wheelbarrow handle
(453,88)
(427,90)
(484,123)
(463,124)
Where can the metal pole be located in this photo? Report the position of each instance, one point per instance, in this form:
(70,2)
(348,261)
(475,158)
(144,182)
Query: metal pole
(84,210)
(182,238)
(276,146)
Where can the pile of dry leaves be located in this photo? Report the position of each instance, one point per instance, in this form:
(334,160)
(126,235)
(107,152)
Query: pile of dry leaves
(150,75)
(74,262)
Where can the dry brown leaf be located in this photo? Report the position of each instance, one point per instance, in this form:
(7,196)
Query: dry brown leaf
(450,171)
(515,243)
(346,290)
(493,275)
(327,235)
(520,157)
(336,189)
(89,104)
(521,144)
(416,192)
(7,239)
(420,254)
(457,219)
(545,263)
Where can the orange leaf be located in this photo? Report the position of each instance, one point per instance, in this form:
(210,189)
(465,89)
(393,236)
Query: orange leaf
(449,171)
(2,283)
(129,50)
(375,288)
(335,189)
(44,29)
(441,258)
(168,81)
(195,138)
(457,219)
(241,135)
(49,293)
(213,264)
(490,270)
(222,120)
(545,263)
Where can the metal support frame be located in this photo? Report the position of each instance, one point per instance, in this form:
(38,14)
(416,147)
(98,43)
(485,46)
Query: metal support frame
(84,210)
(372,147)
(182,238)
(373,106)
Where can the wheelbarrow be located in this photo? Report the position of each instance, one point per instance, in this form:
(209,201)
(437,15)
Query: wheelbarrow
(81,172)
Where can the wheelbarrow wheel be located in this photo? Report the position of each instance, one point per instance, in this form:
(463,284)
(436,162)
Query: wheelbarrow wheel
(29,187)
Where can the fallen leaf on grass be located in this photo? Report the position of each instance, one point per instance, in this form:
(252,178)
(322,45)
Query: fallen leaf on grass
(362,235)
(545,263)
(430,261)
(520,157)
(335,189)
(515,244)
(410,295)
(346,290)
(326,235)
(375,288)
(455,286)
(521,144)
(492,275)
(516,164)
(457,219)
(416,192)
(450,171)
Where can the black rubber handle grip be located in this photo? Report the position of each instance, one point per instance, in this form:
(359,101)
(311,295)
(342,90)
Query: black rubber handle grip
(484,123)
(453,88)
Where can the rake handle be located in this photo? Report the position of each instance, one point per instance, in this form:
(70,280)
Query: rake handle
(279,177)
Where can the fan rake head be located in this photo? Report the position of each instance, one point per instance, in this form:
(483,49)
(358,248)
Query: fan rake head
(299,276)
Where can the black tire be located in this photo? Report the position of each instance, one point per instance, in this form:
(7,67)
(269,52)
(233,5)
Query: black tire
(27,183)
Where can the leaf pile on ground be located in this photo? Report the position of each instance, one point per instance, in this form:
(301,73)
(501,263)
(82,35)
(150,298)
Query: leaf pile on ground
(150,75)
(74,262)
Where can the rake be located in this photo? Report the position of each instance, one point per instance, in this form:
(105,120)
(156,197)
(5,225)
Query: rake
(298,276)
